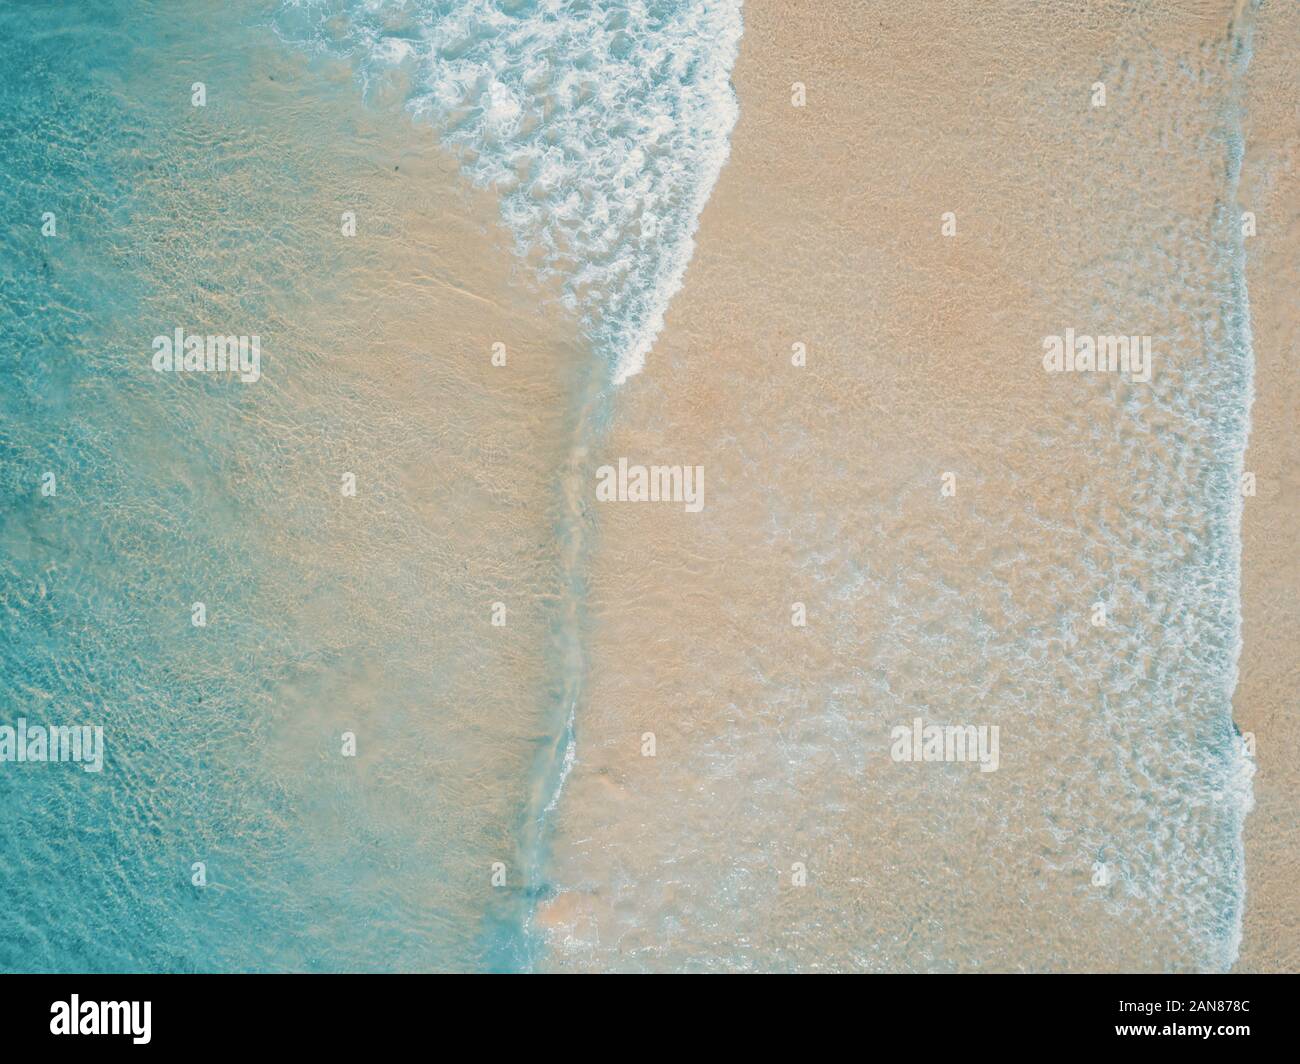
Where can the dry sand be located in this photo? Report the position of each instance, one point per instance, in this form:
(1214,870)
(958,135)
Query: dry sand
(1266,693)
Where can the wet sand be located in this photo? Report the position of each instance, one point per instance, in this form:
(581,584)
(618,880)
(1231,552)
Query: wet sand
(825,488)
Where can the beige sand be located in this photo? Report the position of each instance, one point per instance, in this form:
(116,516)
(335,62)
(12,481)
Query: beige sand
(1266,692)
(823,229)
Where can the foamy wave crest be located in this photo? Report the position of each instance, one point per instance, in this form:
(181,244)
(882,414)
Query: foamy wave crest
(602,125)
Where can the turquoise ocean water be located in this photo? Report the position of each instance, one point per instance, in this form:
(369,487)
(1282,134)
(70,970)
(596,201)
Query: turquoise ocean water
(222,741)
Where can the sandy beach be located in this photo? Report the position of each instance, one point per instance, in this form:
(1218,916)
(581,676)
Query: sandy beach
(934,331)
(825,489)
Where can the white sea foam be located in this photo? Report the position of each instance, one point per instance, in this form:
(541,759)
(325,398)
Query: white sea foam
(602,125)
